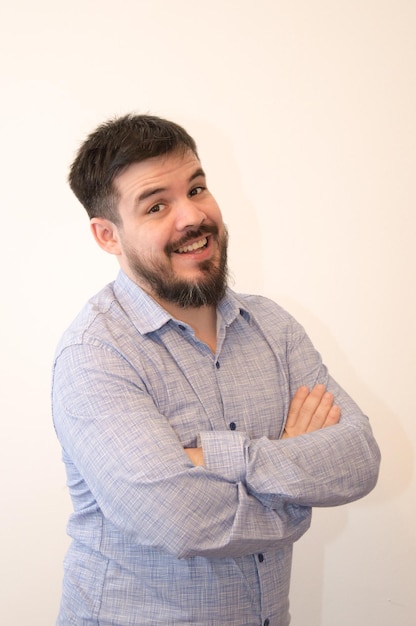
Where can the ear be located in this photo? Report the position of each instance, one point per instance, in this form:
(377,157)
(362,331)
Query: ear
(106,235)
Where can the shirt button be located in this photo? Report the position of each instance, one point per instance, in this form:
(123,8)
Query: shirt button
(181,327)
(266,622)
(260,557)
(232,425)
(217,365)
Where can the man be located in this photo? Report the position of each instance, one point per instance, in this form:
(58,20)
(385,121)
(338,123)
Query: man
(198,426)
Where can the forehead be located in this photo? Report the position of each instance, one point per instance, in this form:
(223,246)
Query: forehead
(162,171)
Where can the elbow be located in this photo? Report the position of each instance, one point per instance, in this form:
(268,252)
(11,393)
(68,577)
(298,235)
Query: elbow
(372,469)
(363,473)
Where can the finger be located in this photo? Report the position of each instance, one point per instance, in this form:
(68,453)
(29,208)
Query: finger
(196,455)
(321,413)
(296,405)
(333,416)
(310,405)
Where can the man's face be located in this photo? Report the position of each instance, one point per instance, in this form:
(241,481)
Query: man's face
(172,238)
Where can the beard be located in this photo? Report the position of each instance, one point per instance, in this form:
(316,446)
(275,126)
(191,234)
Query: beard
(163,283)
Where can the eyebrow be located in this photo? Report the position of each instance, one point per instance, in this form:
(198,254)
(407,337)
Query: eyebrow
(152,191)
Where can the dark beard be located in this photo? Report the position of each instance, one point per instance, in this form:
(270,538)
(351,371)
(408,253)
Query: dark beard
(207,291)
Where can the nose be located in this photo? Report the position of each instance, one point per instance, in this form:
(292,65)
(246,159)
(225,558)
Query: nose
(189,215)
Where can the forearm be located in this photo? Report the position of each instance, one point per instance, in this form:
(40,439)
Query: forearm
(330,466)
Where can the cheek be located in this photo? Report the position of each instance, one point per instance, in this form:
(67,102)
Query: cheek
(216,215)
(151,241)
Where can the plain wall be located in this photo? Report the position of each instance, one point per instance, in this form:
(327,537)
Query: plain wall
(304,113)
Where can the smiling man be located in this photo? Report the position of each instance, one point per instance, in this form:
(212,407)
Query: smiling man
(170,238)
(198,426)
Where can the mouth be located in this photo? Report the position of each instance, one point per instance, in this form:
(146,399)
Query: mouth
(195,246)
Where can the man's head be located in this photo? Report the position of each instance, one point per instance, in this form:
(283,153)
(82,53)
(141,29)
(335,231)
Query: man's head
(112,148)
(141,181)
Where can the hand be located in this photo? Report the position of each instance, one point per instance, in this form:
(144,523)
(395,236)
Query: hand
(196,455)
(311,411)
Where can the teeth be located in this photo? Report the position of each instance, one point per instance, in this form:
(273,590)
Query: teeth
(193,246)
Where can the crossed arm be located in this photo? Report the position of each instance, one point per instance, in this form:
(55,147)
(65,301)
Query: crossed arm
(308,411)
(256,494)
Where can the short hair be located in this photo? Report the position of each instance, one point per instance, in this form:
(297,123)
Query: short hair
(111,148)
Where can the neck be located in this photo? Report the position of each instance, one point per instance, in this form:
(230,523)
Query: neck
(202,319)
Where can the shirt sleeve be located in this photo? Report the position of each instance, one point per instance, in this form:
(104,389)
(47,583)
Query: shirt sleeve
(328,467)
(131,467)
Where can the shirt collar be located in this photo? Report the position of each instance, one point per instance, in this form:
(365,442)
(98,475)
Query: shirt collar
(148,316)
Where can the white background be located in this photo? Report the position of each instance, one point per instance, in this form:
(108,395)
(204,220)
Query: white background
(304,113)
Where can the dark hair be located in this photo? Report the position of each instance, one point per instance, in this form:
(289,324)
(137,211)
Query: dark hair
(111,148)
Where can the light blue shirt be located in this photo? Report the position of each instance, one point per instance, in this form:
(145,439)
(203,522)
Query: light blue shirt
(155,539)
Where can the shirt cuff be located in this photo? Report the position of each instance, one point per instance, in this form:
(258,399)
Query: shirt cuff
(224,453)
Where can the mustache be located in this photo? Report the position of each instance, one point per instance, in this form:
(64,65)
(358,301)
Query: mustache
(205,229)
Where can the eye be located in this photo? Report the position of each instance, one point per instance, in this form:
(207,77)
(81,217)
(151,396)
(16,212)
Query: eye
(156,208)
(196,191)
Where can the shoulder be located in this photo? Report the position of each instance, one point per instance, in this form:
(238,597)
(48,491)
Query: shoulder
(264,309)
(97,322)
(271,319)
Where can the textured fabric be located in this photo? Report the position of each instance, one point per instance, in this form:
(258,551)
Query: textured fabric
(155,539)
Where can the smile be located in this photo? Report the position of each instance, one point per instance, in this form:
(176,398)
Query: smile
(192,247)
